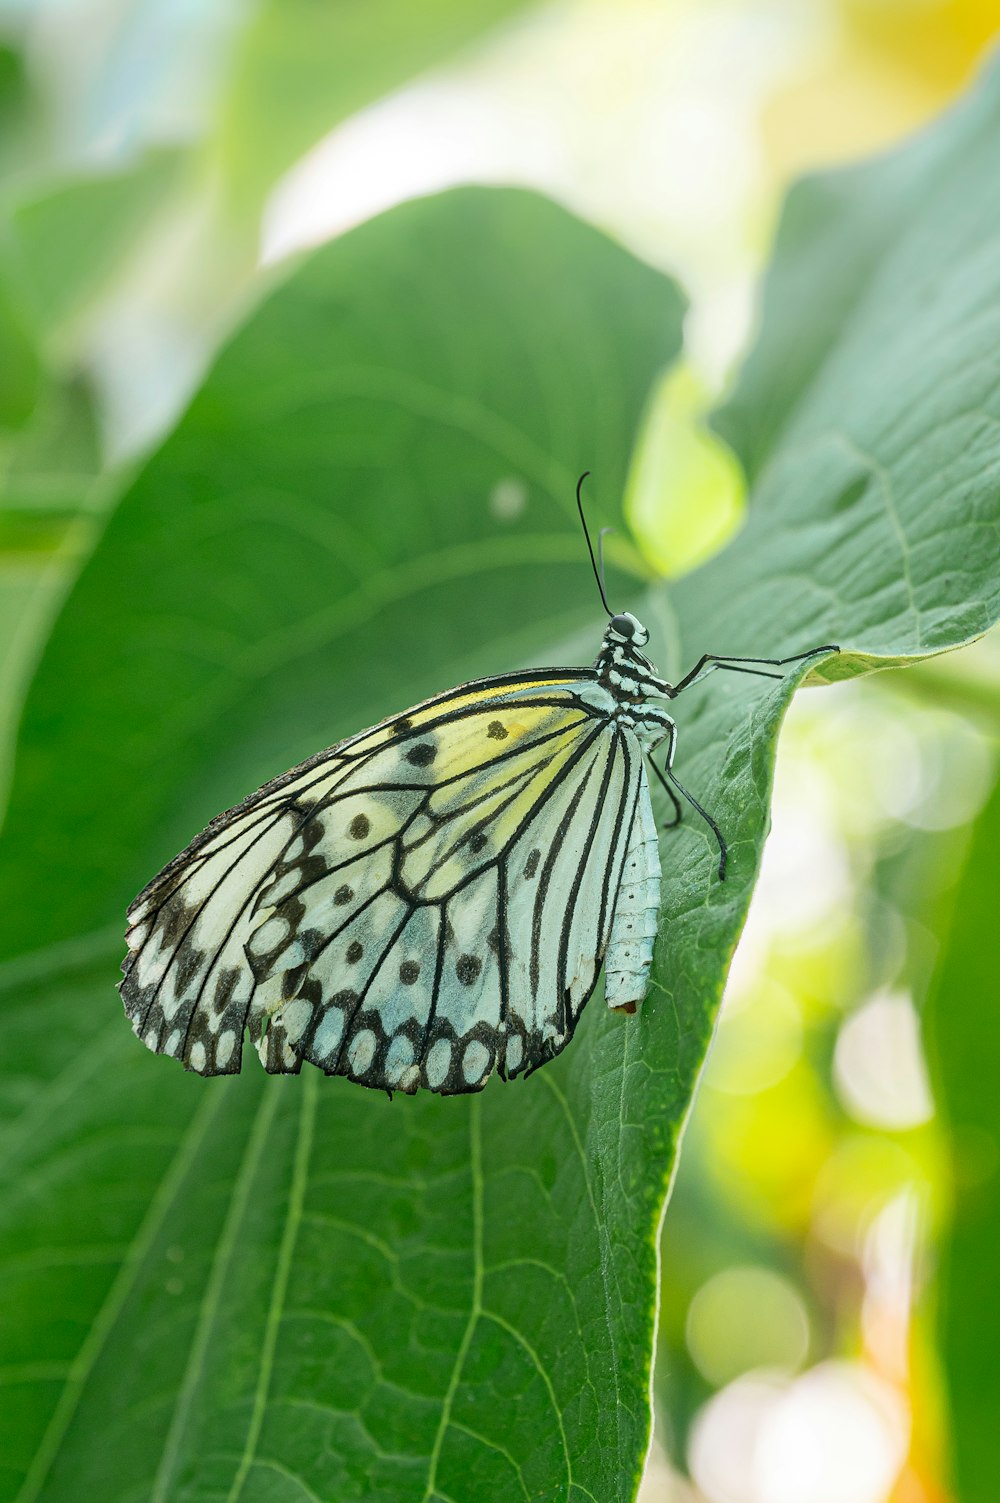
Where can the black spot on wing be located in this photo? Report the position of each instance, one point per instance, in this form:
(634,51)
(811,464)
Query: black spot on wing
(467,968)
(423,754)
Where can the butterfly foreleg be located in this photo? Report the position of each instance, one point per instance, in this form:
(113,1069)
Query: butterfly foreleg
(759,667)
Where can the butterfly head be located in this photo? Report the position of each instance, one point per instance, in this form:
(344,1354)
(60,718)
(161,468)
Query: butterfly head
(620,655)
(626,628)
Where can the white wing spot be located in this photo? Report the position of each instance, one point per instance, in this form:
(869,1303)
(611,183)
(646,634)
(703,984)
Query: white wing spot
(438,1062)
(399,1058)
(169,1003)
(295,1018)
(515,1051)
(173,1044)
(269,936)
(197,1056)
(476,1059)
(362,1051)
(329,1034)
(138,934)
(226,1045)
(283,888)
(294,956)
(152,1038)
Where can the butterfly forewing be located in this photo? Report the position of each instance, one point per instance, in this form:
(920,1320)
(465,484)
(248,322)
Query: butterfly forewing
(421,905)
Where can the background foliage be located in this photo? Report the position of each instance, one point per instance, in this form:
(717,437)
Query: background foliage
(290,1288)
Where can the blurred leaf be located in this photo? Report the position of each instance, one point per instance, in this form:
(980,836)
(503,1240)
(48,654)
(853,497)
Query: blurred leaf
(50,498)
(871,402)
(62,247)
(687,493)
(371,498)
(870,264)
(70,240)
(20,363)
(22,129)
(961,1014)
(300,69)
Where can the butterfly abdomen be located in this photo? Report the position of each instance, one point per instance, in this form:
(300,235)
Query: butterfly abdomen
(633,928)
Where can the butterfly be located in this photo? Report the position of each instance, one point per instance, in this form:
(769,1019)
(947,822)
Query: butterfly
(431,901)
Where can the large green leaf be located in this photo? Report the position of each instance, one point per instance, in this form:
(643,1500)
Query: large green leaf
(329,534)
(62,246)
(293,1288)
(870,405)
(50,497)
(20,361)
(71,237)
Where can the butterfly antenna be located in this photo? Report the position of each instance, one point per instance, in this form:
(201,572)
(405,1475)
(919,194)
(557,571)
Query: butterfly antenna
(598,573)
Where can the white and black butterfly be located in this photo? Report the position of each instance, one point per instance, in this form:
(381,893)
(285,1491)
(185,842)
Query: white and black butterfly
(431,900)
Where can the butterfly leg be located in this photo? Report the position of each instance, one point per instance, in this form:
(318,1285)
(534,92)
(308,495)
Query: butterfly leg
(671,737)
(667,776)
(756,666)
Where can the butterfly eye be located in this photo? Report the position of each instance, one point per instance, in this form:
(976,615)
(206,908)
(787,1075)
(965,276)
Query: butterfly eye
(624,626)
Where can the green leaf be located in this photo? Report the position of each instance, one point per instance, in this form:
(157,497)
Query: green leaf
(62,244)
(70,238)
(370,498)
(22,128)
(50,498)
(871,403)
(310,1291)
(961,1018)
(21,375)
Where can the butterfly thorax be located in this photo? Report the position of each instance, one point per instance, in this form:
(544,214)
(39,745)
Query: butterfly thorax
(639,692)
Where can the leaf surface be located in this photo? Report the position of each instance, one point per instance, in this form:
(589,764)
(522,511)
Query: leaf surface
(371,498)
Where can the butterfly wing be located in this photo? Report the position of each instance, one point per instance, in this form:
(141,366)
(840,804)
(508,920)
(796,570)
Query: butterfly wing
(420,905)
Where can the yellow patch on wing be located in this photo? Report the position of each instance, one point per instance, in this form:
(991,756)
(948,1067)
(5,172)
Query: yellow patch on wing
(473,698)
(474,818)
(480,804)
